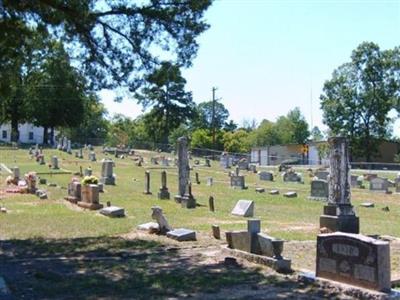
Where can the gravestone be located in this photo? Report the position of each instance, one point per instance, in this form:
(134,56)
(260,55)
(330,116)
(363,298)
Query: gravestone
(87,172)
(163,193)
(54,162)
(253,168)
(237,182)
(74,192)
(92,156)
(90,197)
(319,189)
(107,175)
(211,203)
(354,259)
(207,163)
(183,165)
(216,232)
(322,174)
(188,201)
(59,144)
(80,155)
(243,164)
(290,195)
(162,222)
(147,183)
(41,160)
(266,176)
(182,234)
(65,143)
(209,181)
(339,214)
(113,211)
(225,161)
(291,176)
(16,174)
(197,178)
(354,181)
(69,150)
(397,184)
(243,208)
(378,184)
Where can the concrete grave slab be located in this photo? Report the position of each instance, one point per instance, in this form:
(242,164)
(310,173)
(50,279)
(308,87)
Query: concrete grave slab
(113,211)
(243,208)
(182,234)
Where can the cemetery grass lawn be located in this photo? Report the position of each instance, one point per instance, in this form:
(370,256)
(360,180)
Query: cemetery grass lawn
(75,243)
(287,218)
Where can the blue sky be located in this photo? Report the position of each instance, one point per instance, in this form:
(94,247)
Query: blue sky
(266,57)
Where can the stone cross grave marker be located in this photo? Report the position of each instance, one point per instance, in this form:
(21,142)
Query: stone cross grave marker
(354,259)
(243,208)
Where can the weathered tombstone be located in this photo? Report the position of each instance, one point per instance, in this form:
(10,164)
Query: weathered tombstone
(207,163)
(197,178)
(69,150)
(80,155)
(209,181)
(92,156)
(107,175)
(339,214)
(211,203)
(59,144)
(378,184)
(291,176)
(290,194)
(74,192)
(216,232)
(54,162)
(225,161)
(162,222)
(322,174)
(243,208)
(237,182)
(274,192)
(243,164)
(354,181)
(113,211)
(354,259)
(88,172)
(90,197)
(253,168)
(266,176)
(260,190)
(183,165)
(319,189)
(16,174)
(397,184)
(147,183)
(188,201)
(182,234)
(163,193)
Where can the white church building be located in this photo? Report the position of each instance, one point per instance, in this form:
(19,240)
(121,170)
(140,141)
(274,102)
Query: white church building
(28,133)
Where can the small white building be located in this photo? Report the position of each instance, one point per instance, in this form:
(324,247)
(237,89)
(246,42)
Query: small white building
(28,133)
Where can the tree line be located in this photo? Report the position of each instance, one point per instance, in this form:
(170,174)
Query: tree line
(55,56)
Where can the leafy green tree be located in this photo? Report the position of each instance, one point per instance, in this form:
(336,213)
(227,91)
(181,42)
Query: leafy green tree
(237,141)
(56,92)
(358,97)
(201,138)
(265,134)
(170,104)
(292,128)
(230,126)
(205,115)
(20,52)
(316,134)
(116,42)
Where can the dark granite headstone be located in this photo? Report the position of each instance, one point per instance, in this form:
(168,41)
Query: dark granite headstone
(319,189)
(378,184)
(266,176)
(238,182)
(354,259)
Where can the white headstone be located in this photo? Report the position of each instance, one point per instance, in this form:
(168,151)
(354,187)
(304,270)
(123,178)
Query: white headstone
(243,208)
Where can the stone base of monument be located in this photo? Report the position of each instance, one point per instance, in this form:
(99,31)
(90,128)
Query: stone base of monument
(149,227)
(188,202)
(282,265)
(343,223)
(147,193)
(163,194)
(113,211)
(108,180)
(318,198)
(178,198)
(182,234)
(72,199)
(91,206)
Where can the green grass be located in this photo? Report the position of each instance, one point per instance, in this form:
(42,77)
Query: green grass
(290,219)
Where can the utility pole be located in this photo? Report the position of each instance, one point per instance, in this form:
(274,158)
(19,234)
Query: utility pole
(214,101)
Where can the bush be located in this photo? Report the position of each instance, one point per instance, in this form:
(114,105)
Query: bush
(90,180)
